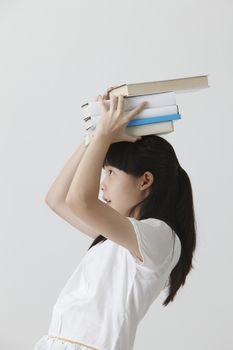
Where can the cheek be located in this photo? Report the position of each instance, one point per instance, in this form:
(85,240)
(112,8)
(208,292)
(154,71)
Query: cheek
(125,192)
(118,192)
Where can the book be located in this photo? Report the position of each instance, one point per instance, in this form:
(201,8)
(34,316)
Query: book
(92,122)
(92,108)
(161,124)
(150,112)
(166,111)
(146,116)
(178,85)
(148,129)
(161,110)
(142,130)
(152,120)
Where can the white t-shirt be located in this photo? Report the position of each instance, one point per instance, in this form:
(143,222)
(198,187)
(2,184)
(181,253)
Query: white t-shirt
(110,291)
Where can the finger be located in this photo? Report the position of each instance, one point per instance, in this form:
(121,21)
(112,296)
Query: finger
(137,110)
(113,103)
(110,89)
(120,105)
(106,94)
(126,137)
(98,97)
(131,138)
(102,104)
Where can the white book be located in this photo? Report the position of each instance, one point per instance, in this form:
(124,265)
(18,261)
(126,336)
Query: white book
(147,112)
(93,108)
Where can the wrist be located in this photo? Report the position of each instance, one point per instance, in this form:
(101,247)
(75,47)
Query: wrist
(87,138)
(102,136)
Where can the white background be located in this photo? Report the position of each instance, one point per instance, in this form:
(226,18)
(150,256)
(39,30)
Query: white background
(57,55)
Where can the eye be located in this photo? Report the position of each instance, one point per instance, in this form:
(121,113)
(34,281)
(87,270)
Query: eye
(108,171)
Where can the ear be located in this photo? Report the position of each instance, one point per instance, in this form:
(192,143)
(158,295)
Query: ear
(146,180)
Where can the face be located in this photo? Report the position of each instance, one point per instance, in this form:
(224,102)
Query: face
(124,190)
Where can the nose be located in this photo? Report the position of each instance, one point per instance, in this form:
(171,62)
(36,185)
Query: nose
(103,183)
(102,186)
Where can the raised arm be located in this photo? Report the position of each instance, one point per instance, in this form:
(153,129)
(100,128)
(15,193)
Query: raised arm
(56,196)
(60,187)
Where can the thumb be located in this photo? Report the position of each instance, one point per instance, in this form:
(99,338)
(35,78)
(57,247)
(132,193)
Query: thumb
(131,138)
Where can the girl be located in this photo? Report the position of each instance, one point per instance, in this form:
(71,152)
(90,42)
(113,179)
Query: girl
(144,235)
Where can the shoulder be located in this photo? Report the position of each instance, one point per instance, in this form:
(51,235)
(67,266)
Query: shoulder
(155,239)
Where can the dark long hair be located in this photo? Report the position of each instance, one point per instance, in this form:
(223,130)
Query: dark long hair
(170,199)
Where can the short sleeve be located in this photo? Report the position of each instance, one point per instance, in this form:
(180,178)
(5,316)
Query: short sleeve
(155,242)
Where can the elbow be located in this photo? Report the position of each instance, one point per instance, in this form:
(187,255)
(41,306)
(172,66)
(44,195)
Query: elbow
(48,201)
(53,202)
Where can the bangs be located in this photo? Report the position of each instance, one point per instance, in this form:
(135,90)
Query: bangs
(121,156)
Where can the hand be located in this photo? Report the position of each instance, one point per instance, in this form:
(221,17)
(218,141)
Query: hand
(114,120)
(106,94)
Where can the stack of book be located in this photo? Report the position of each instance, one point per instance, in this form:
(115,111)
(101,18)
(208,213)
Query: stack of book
(159,114)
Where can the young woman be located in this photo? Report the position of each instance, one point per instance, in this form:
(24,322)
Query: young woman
(144,234)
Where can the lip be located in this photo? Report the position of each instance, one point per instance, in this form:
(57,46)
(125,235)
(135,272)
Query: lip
(106,200)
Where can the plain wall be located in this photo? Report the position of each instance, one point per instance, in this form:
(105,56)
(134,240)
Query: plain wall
(57,55)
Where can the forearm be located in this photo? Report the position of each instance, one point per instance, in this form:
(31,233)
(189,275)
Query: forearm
(85,184)
(60,187)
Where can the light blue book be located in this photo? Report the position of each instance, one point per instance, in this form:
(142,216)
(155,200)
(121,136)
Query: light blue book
(150,120)
(146,126)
